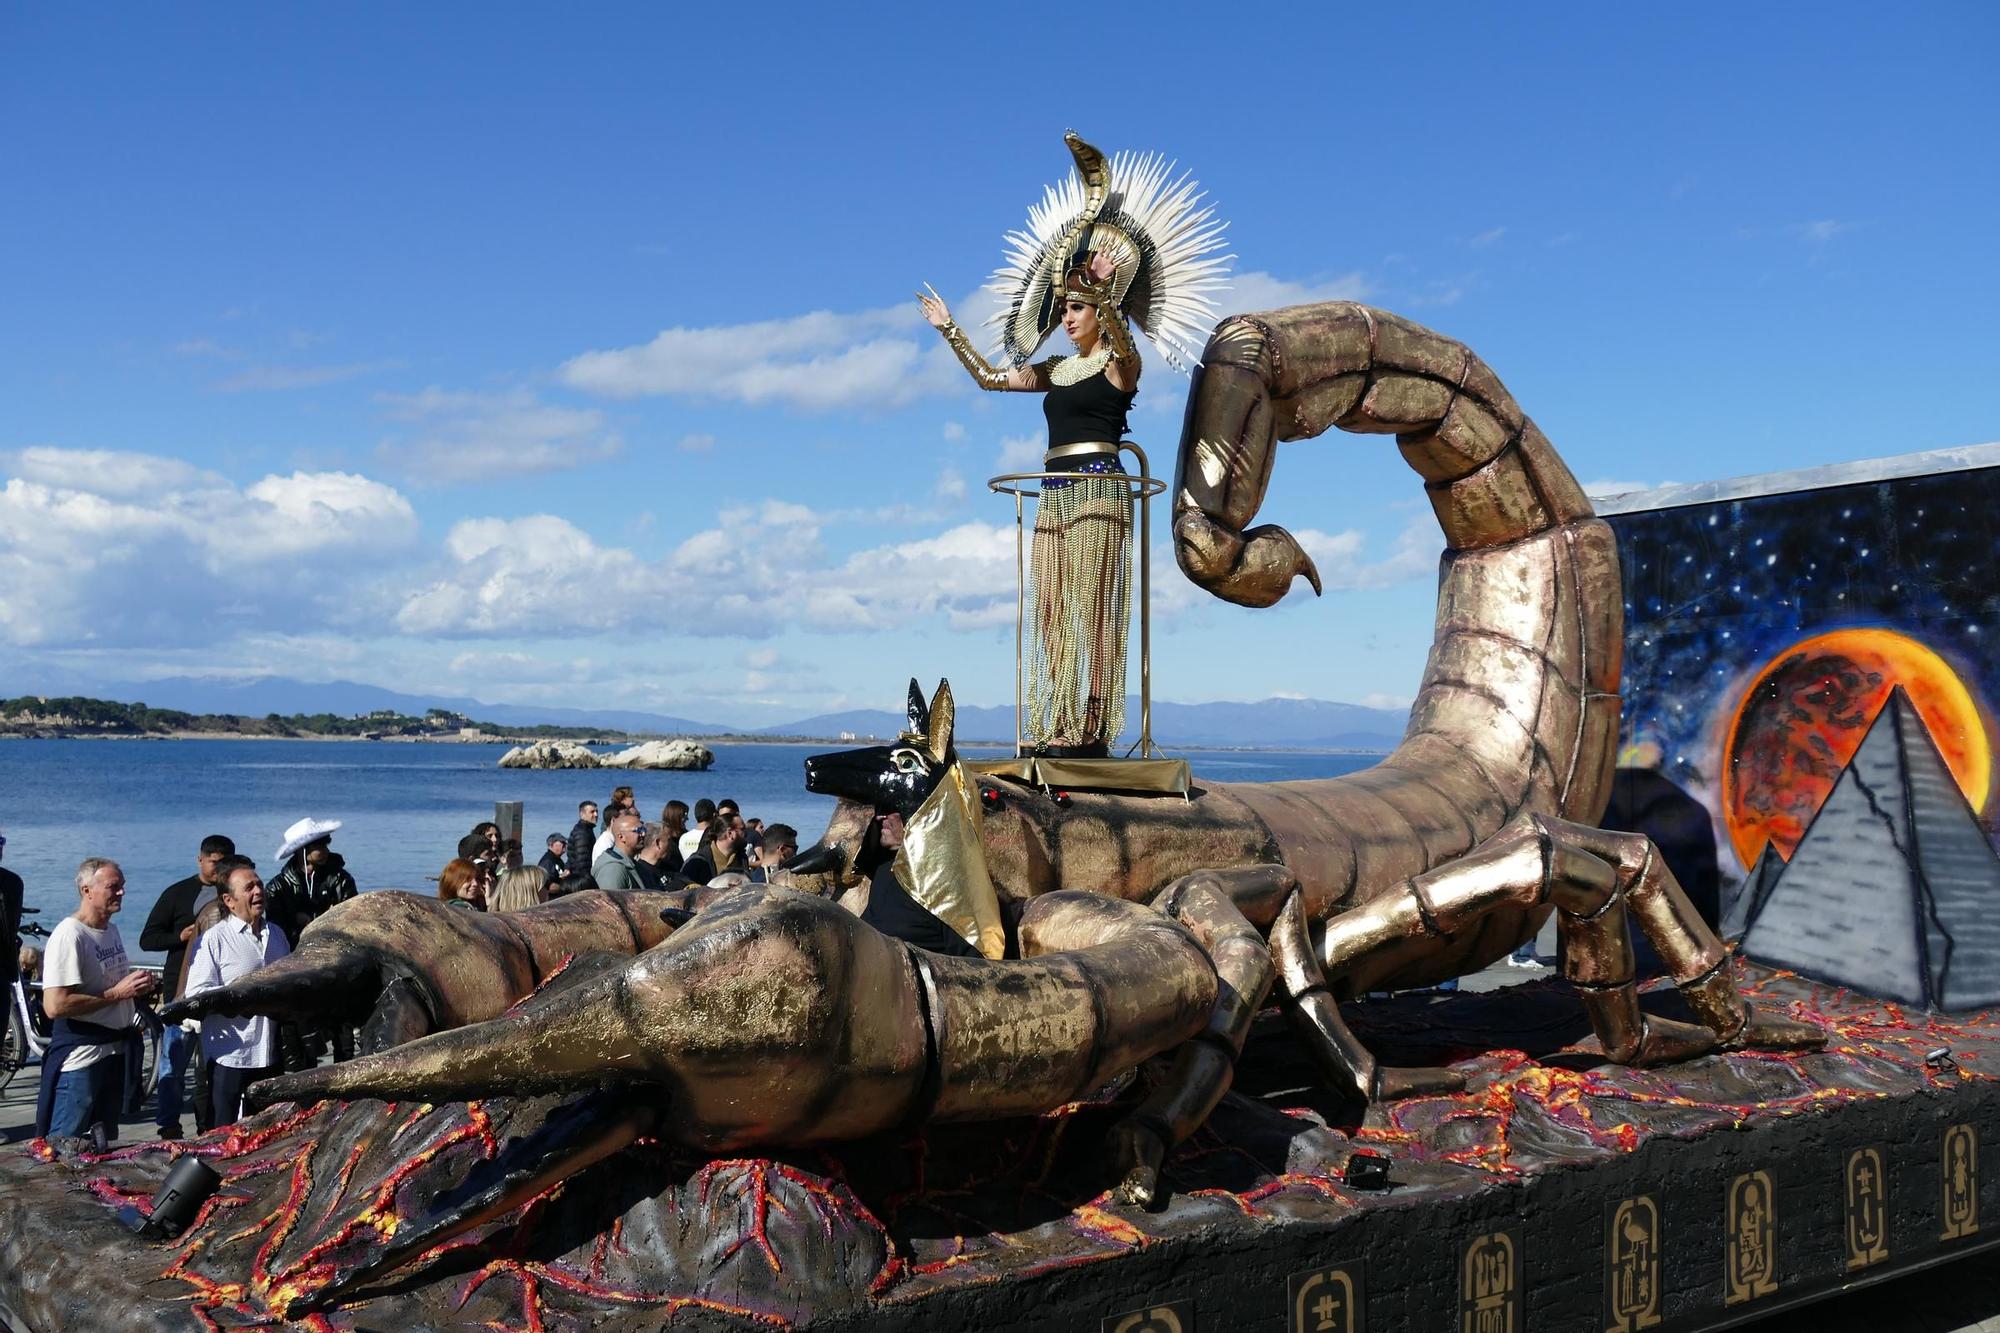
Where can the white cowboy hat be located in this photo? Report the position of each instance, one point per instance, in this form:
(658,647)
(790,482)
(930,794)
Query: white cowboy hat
(303,832)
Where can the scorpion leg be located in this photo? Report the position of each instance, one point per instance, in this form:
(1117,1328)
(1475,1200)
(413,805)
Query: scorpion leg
(1591,876)
(1217,907)
(1700,963)
(1315,1016)
(1525,865)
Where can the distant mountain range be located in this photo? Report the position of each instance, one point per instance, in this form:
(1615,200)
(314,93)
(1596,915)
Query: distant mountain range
(1274,723)
(1305,724)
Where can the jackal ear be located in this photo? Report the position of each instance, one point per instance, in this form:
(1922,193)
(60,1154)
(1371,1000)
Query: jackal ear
(919,715)
(942,717)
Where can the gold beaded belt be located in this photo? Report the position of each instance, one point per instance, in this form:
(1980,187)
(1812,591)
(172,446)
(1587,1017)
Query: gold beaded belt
(1086,449)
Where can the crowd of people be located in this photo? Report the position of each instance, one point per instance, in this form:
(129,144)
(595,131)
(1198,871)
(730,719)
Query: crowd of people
(225,921)
(216,925)
(613,846)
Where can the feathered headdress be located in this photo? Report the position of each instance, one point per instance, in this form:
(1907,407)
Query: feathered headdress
(1161,241)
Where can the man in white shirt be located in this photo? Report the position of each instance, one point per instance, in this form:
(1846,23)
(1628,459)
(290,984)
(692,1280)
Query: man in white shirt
(239,1051)
(91,989)
(704,810)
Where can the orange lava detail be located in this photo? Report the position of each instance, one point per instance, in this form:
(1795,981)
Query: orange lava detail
(1094,1221)
(758,1171)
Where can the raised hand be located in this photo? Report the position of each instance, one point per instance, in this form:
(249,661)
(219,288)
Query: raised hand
(936,314)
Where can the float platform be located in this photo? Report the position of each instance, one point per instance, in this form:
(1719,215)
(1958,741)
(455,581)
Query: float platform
(1555,1193)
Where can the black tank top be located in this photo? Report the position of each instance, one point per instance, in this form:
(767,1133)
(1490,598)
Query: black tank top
(1090,411)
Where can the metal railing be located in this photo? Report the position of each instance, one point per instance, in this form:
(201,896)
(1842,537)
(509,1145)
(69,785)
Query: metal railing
(1142,486)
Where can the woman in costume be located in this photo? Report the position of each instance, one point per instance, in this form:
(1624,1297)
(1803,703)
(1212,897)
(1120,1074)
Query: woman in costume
(1114,242)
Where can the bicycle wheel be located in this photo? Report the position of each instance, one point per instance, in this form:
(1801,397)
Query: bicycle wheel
(149,1026)
(13,1043)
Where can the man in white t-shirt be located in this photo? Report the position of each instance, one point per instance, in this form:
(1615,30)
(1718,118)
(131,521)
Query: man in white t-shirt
(704,810)
(87,981)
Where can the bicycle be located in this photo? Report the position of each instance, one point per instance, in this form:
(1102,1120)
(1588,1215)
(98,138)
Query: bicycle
(25,1029)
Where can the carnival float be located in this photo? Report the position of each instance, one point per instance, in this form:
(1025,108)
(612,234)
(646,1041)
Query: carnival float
(1150,1095)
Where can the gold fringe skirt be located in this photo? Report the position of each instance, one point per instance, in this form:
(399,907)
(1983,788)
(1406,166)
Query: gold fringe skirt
(1080,572)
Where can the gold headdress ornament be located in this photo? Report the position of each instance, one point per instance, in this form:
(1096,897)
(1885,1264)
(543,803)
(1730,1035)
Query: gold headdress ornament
(1161,243)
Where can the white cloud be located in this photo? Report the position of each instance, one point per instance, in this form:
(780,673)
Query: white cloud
(819,362)
(1021,453)
(514,575)
(696,444)
(759,570)
(461,436)
(1821,231)
(110,472)
(953,431)
(1485,238)
(102,547)
(1380,700)
(950,486)
(1344,563)
(1255,290)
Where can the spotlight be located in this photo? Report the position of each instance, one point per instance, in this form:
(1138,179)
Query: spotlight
(1940,1060)
(1062,800)
(990,798)
(1367,1170)
(187,1187)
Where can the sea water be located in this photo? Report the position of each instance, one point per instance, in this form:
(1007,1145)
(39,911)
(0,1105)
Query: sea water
(402,806)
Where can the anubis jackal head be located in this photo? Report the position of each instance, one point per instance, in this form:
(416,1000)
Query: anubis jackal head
(893,777)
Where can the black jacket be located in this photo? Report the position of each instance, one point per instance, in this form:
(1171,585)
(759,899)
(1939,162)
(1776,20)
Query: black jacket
(582,837)
(293,903)
(557,869)
(894,912)
(171,915)
(11,892)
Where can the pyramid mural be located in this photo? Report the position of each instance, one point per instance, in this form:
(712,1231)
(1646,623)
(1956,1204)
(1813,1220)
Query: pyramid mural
(1753,893)
(1894,890)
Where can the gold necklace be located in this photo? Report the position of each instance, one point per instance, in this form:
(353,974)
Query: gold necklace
(1076,369)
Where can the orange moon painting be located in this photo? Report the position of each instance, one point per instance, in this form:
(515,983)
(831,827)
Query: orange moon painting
(1805,714)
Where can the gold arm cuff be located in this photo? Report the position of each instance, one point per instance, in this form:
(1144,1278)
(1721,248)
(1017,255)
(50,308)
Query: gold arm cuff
(1080,450)
(1110,321)
(983,372)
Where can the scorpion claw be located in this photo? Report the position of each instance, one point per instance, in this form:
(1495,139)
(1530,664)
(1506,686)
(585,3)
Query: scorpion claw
(1251,568)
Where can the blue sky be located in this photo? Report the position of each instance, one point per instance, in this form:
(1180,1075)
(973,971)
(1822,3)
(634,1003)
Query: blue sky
(567,356)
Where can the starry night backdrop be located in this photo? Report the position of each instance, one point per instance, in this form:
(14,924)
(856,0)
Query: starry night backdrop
(1715,592)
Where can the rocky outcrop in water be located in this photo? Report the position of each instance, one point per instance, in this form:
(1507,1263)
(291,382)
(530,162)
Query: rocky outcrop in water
(674,754)
(551,754)
(677,754)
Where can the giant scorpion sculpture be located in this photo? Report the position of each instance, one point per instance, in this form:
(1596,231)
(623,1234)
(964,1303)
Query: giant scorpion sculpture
(1147,926)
